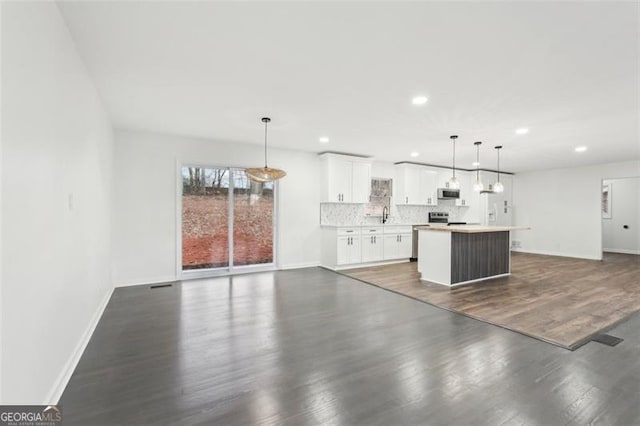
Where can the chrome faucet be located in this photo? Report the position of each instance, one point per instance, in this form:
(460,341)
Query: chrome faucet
(385,214)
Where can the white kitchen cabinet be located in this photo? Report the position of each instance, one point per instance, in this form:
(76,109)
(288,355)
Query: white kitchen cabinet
(349,250)
(443,177)
(415,185)
(361,182)
(466,188)
(397,242)
(429,186)
(347,247)
(345,179)
(341,246)
(372,244)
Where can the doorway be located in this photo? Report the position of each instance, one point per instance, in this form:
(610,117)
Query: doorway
(620,209)
(227,222)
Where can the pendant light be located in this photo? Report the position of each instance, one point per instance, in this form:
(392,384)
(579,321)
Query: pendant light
(478,186)
(265,174)
(498,187)
(453,182)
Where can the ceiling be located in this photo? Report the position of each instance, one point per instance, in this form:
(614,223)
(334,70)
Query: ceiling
(568,71)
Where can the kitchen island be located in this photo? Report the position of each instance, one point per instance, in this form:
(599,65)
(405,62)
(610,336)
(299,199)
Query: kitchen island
(456,255)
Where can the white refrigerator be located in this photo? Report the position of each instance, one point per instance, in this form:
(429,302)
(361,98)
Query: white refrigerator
(496,209)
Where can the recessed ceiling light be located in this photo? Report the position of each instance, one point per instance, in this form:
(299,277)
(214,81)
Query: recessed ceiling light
(475,164)
(324,139)
(522,131)
(414,154)
(581,149)
(419,100)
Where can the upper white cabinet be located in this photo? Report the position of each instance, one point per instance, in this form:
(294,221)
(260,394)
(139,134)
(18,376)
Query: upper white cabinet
(490,178)
(415,185)
(466,188)
(346,179)
(443,177)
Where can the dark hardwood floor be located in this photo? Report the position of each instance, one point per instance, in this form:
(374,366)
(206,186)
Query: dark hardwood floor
(311,346)
(560,300)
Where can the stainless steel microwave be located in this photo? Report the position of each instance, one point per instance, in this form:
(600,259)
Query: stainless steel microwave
(448,194)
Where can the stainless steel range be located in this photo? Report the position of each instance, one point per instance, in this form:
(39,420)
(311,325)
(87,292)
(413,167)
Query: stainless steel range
(438,217)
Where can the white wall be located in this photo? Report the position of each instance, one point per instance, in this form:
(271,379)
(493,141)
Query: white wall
(625,211)
(1,309)
(56,142)
(562,206)
(145,216)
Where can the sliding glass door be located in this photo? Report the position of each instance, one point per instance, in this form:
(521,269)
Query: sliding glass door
(227,220)
(253,206)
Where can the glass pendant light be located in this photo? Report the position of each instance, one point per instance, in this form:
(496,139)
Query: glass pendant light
(453,182)
(498,186)
(478,186)
(265,174)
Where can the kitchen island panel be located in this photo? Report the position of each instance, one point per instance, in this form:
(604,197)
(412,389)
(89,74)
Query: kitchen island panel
(479,255)
(438,260)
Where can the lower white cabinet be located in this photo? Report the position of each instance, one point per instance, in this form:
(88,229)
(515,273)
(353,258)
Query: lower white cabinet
(341,246)
(397,246)
(349,250)
(350,246)
(372,244)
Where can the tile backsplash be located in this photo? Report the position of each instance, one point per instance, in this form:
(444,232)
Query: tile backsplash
(354,214)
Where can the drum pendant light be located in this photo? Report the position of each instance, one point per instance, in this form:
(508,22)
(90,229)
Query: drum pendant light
(478,186)
(498,187)
(453,182)
(265,174)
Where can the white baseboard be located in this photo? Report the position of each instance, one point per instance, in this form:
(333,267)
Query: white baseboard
(299,265)
(53,397)
(166,279)
(623,251)
(364,265)
(555,253)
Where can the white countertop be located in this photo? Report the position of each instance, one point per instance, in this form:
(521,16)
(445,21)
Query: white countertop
(470,229)
(364,225)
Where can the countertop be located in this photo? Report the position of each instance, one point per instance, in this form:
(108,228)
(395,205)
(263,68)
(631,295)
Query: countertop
(471,229)
(364,225)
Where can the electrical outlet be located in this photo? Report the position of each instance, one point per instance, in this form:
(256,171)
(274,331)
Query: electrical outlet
(516,244)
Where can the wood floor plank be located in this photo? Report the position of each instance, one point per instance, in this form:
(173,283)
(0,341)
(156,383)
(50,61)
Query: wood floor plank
(312,347)
(556,299)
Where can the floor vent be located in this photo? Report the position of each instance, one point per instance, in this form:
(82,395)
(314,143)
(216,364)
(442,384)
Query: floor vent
(607,339)
(160,286)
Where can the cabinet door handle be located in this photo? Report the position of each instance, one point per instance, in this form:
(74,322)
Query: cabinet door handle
(400,237)
(406,200)
(375,239)
(371,239)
